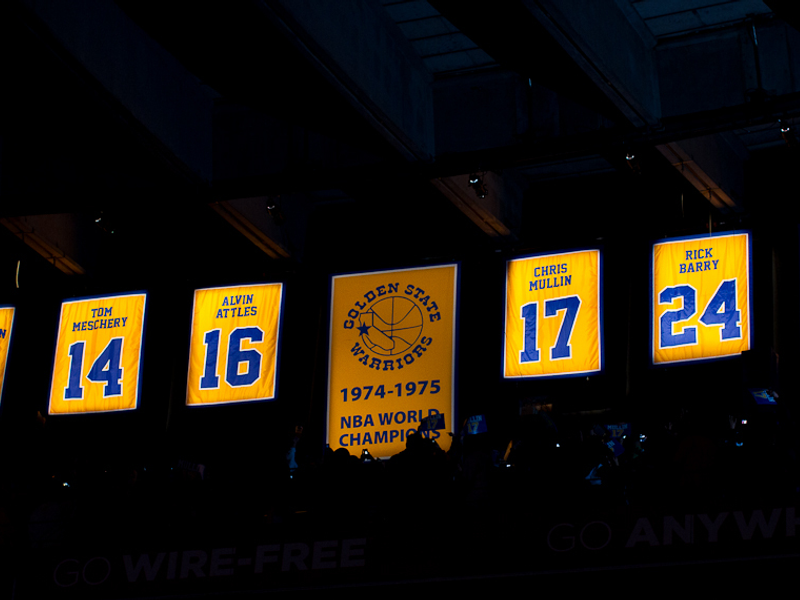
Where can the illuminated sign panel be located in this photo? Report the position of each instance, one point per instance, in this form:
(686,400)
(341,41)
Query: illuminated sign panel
(98,354)
(553,323)
(233,352)
(6,324)
(392,357)
(700,297)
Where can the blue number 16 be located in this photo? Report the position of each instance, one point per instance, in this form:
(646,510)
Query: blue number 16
(236,356)
(530,314)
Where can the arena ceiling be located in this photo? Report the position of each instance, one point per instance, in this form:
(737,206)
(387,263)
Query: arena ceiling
(145,115)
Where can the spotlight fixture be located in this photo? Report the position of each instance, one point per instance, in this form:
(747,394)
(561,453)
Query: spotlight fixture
(477,184)
(787,133)
(105,221)
(274,211)
(633,163)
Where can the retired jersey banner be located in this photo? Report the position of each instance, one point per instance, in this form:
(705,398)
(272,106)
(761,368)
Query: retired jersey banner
(233,352)
(553,324)
(6,323)
(97,364)
(392,357)
(700,297)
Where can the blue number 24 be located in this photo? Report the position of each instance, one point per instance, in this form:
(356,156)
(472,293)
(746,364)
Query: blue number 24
(720,310)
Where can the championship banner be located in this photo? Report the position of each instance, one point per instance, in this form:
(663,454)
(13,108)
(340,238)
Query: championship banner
(98,355)
(392,358)
(233,352)
(700,297)
(553,324)
(6,324)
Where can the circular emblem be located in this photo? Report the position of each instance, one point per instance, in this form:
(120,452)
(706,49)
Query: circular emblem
(391,326)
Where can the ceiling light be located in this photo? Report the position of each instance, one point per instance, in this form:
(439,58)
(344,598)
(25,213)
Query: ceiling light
(477,184)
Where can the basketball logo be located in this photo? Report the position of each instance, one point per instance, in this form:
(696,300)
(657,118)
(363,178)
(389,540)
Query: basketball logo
(391,326)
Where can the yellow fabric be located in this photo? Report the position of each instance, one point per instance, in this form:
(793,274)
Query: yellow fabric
(391,360)
(542,279)
(703,264)
(226,310)
(96,322)
(6,325)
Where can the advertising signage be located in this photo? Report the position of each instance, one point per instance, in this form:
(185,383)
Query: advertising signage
(391,358)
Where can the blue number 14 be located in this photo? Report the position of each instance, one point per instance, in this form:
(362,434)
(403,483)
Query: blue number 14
(105,369)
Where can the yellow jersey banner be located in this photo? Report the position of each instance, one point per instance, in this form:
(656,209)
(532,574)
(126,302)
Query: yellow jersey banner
(233,352)
(700,297)
(392,357)
(6,324)
(97,363)
(553,325)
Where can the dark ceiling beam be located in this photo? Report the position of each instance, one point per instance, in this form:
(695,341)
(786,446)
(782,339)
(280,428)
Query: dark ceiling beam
(235,49)
(388,85)
(786,10)
(512,36)
(622,66)
(682,96)
(68,142)
(140,81)
(714,165)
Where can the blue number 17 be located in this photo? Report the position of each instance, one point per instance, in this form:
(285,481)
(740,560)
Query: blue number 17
(530,314)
